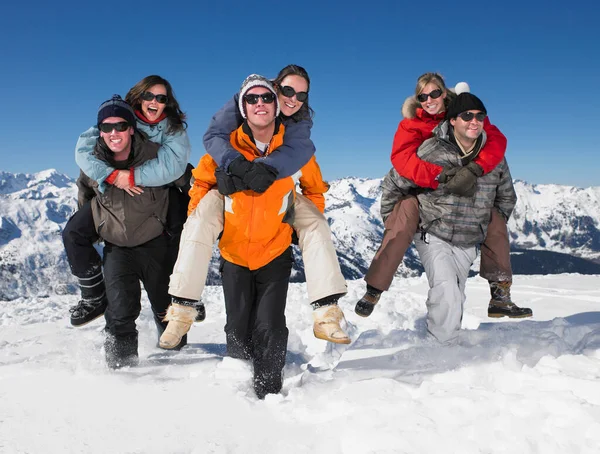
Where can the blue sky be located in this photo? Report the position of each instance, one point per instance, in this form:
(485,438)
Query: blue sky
(534,64)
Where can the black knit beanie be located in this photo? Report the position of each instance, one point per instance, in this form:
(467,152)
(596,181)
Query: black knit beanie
(116,107)
(462,103)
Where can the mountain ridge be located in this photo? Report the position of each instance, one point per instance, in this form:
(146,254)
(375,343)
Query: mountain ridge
(563,221)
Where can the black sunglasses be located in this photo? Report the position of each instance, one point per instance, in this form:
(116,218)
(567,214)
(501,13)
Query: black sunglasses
(121,126)
(267,98)
(468,116)
(435,94)
(289,92)
(149,96)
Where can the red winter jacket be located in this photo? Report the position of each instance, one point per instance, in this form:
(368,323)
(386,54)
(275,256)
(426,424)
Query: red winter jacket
(412,132)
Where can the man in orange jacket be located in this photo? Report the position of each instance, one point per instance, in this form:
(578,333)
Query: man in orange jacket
(256,257)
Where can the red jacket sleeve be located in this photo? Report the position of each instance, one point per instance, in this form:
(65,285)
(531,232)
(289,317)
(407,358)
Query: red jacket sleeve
(494,149)
(407,141)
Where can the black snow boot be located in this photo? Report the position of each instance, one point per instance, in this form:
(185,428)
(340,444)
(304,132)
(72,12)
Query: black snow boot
(267,382)
(87,310)
(367,303)
(121,351)
(501,304)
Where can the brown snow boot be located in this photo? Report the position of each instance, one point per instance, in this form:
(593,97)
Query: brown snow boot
(367,303)
(501,304)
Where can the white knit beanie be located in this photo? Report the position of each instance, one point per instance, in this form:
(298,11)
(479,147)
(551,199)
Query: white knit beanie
(255,80)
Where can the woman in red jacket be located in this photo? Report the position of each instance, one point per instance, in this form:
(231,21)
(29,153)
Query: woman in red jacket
(422,113)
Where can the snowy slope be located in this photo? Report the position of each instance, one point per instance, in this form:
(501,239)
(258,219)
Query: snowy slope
(530,386)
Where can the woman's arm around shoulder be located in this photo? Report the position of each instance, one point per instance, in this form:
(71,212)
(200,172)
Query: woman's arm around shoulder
(216,137)
(169,164)
(295,152)
(90,165)
(494,149)
(407,140)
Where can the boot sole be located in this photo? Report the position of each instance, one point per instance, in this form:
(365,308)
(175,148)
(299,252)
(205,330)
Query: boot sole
(362,315)
(164,347)
(509,316)
(85,323)
(335,341)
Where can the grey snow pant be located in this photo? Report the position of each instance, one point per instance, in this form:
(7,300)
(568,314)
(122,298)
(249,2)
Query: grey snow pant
(447,268)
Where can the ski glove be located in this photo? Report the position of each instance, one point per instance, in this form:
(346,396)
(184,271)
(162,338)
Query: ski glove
(464,182)
(228,184)
(239,167)
(231,180)
(447,173)
(260,177)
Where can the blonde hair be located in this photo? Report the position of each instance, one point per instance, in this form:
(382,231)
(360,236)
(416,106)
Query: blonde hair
(436,79)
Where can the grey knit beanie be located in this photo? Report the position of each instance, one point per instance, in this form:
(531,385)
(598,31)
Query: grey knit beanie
(255,80)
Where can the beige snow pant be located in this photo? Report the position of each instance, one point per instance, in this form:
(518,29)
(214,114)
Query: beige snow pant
(321,266)
(199,234)
(203,226)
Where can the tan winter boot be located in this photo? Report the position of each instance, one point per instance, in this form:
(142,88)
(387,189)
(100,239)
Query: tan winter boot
(326,325)
(180,320)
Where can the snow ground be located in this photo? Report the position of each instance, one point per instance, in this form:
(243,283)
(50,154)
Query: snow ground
(528,386)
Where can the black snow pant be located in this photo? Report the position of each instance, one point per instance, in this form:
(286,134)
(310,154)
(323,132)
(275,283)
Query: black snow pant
(255,305)
(124,268)
(79,236)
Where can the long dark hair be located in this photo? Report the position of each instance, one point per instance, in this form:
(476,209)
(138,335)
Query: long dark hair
(172,110)
(295,70)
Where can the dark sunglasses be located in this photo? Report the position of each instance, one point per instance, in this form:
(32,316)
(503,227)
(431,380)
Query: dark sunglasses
(468,116)
(267,98)
(149,96)
(121,126)
(435,94)
(289,92)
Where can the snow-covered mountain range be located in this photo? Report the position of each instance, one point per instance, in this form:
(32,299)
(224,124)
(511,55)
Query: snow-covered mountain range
(548,220)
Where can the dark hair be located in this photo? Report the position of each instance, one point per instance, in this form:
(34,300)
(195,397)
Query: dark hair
(174,114)
(305,111)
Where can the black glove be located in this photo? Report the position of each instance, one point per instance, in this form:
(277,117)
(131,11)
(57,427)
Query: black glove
(260,177)
(239,167)
(447,173)
(228,184)
(464,182)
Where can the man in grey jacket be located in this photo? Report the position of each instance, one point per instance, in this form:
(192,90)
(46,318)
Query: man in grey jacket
(452,226)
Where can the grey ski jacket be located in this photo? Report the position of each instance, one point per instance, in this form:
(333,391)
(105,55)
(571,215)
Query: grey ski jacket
(462,221)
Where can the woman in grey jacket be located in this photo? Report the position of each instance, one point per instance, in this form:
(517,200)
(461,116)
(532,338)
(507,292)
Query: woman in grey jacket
(451,226)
